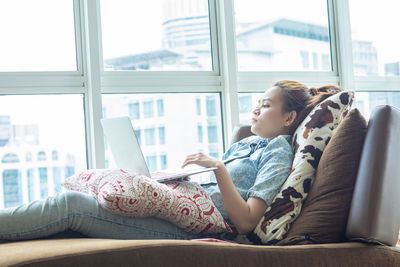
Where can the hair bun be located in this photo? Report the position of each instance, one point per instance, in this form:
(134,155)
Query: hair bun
(332,89)
(313,91)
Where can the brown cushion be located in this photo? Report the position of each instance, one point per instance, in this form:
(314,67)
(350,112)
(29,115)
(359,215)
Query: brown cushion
(324,215)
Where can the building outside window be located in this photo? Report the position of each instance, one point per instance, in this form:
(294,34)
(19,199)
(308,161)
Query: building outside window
(198,106)
(246,104)
(12,188)
(57,179)
(163,162)
(212,134)
(315,61)
(200,133)
(160,107)
(152,163)
(161,135)
(134,111)
(148,109)
(305,62)
(150,136)
(31,184)
(41,156)
(138,134)
(44,191)
(211,106)
(54,155)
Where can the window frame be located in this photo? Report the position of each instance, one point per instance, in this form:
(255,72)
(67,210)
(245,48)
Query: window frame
(92,81)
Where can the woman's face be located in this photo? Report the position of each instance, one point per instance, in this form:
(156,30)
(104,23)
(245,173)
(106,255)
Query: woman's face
(268,118)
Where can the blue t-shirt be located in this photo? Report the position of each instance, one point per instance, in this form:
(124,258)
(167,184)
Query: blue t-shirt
(258,167)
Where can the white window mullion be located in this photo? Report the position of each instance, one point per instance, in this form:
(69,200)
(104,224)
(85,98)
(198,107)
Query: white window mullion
(344,54)
(91,39)
(228,66)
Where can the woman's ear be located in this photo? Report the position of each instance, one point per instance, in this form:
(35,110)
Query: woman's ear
(290,117)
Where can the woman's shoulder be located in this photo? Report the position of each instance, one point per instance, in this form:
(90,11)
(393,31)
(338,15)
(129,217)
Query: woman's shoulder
(250,139)
(280,142)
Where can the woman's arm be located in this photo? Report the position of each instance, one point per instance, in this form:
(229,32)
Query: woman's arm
(244,215)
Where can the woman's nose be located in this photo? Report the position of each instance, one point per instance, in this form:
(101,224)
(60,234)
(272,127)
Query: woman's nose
(256,111)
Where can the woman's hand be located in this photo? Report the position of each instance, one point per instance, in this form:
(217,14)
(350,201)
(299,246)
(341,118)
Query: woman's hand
(201,159)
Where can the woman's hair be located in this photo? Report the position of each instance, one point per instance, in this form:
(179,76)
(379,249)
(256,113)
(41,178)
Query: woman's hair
(296,96)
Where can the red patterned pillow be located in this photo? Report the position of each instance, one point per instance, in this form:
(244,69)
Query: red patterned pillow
(185,204)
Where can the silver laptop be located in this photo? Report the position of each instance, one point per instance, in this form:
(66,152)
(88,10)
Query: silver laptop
(128,156)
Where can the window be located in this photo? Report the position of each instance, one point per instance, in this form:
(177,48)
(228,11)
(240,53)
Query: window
(150,136)
(34,39)
(214,155)
(148,109)
(138,134)
(245,104)
(54,155)
(315,61)
(325,62)
(211,106)
(161,135)
(179,39)
(28,157)
(31,184)
(44,129)
(367,101)
(375,41)
(12,188)
(212,133)
(44,190)
(69,170)
(304,59)
(163,162)
(180,112)
(57,179)
(200,133)
(5,130)
(152,163)
(198,106)
(134,111)
(270,37)
(160,107)
(10,158)
(41,156)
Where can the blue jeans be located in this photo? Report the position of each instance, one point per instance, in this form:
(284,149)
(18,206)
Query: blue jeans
(81,213)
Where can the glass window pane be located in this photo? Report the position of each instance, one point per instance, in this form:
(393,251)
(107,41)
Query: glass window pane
(37,35)
(148,109)
(286,35)
(367,101)
(43,142)
(376,40)
(134,111)
(12,188)
(156,35)
(176,134)
(150,137)
(247,102)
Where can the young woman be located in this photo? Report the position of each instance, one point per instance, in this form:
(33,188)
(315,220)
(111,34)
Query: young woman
(246,180)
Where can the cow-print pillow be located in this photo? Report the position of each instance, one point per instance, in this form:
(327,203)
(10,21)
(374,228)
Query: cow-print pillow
(309,141)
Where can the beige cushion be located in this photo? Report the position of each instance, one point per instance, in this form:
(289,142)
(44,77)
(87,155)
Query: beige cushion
(174,253)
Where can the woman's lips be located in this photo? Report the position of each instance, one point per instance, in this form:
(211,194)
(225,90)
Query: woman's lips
(253,120)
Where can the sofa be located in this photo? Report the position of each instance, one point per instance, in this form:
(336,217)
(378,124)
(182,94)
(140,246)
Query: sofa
(370,234)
